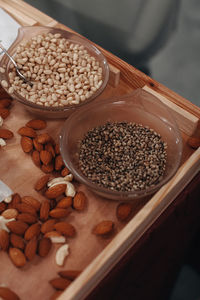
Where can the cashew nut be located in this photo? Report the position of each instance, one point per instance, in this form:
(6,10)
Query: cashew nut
(1,121)
(3,222)
(61,254)
(8,199)
(2,142)
(70,190)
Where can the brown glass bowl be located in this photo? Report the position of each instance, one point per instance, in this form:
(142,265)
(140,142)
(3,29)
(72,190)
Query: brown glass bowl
(25,34)
(139,107)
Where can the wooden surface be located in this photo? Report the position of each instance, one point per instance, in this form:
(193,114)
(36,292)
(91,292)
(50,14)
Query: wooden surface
(97,256)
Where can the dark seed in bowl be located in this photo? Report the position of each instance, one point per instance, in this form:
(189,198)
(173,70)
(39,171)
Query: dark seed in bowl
(123,156)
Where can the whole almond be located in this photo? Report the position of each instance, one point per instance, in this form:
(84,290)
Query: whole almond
(4,240)
(26,131)
(57,149)
(31,248)
(194,142)
(55,191)
(17,257)
(44,210)
(103,228)
(44,138)
(123,211)
(79,201)
(5,103)
(37,146)
(4,112)
(44,247)
(26,208)
(5,134)
(32,231)
(2,206)
(65,228)
(26,144)
(60,283)
(59,213)
(36,158)
(27,218)
(32,202)
(17,241)
(16,198)
(53,234)
(8,294)
(17,227)
(46,157)
(37,124)
(69,274)
(41,182)
(48,168)
(48,226)
(58,163)
(10,213)
(65,172)
(49,148)
(65,202)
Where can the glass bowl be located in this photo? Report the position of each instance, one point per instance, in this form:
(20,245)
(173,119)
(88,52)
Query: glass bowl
(24,35)
(139,107)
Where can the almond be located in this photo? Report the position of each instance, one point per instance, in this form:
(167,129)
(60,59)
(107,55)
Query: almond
(32,202)
(44,210)
(44,247)
(57,149)
(103,228)
(5,134)
(32,231)
(44,138)
(15,200)
(37,146)
(4,239)
(65,228)
(60,283)
(55,191)
(50,149)
(36,158)
(26,208)
(65,172)
(17,227)
(79,201)
(2,206)
(27,144)
(27,218)
(47,168)
(31,248)
(58,163)
(65,202)
(5,103)
(56,295)
(48,226)
(17,257)
(194,142)
(17,241)
(58,213)
(69,274)
(10,213)
(41,182)
(46,157)
(37,124)
(55,237)
(8,294)
(26,131)
(123,211)
(4,112)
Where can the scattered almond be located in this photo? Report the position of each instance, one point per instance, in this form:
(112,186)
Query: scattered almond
(55,237)
(46,157)
(65,228)
(32,202)
(4,112)
(17,227)
(15,200)
(44,247)
(17,256)
(58,163)
(27,144)
(59,213)
(44,210)
(36,158)
(10,213)
(8,294)
(50,149)
(65,172)
(41,182)
(27,218)
(4,240)
(26,131)
(37,146)
(32,231)
(26,208)
(69,274)
(37,124)
(2,206)
(17,241)
(31,248)
(60,283)
(65,202)
(103,228)
(123,211)
(48,168)
(48,226)
(194,142)
(79,201)
(44,138)
(57,149)
(55,191)
(5,134)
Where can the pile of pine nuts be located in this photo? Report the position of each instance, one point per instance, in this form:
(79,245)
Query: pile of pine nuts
(63,73)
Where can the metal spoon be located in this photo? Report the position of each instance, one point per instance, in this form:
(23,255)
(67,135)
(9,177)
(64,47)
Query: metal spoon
(16,67)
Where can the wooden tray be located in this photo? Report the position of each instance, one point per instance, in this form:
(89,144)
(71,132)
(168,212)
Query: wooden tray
(95,256)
